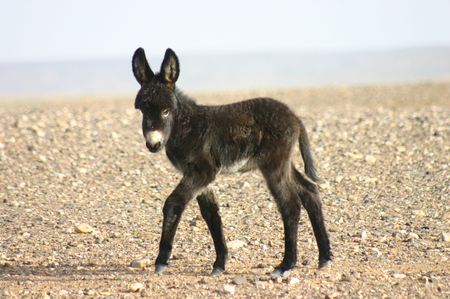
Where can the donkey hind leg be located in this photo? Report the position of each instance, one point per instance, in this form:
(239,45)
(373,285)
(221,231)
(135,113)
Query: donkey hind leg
(289,205)
(173,208)
(309,195)
(210,212)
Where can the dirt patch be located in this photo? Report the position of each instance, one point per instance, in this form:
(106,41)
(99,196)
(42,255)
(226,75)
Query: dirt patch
(381,151)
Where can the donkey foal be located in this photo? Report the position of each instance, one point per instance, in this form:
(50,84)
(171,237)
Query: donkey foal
(204,141)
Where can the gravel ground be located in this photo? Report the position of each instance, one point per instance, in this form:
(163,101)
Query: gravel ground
(382,153)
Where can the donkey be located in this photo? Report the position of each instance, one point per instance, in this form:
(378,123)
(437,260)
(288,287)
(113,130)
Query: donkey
(204,141)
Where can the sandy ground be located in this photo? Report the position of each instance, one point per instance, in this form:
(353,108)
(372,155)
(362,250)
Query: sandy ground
(382,153)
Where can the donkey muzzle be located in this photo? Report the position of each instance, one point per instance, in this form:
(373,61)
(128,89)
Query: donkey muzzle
(154,141)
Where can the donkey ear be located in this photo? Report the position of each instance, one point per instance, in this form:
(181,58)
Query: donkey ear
(141,69)
(170,68)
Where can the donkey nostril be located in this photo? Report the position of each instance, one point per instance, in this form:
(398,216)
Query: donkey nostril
(153,147)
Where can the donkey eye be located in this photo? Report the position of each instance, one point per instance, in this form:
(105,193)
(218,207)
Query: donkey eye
(166,112)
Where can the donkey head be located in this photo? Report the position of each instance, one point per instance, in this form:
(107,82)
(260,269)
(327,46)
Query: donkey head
(156,99)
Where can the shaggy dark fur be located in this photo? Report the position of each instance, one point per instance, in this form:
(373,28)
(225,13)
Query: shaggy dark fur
(204,141)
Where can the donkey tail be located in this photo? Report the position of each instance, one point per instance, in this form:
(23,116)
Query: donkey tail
(305,151)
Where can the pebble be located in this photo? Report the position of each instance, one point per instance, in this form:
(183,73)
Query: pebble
(401,149)
(348,277)
(325,186)
(338,178)
(445,216)
(398,275)
(141,263)
(229,289)
(370,159)
(236,244)
(293,280)
(412,236)
(363,235)
(135,287)
(63,293)
(351,198)
(418,213)
(445,237)
(278,279)
(239,280)
(83,228)
(246,186)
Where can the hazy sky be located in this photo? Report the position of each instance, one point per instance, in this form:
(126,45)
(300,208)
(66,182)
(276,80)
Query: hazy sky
(32,30)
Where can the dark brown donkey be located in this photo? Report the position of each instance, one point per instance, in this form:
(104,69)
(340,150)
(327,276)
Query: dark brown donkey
(204,141)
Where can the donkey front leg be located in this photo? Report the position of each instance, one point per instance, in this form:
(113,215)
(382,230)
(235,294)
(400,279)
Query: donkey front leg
(210,212)
(173,208)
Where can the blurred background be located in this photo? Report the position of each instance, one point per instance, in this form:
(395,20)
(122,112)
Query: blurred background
(60,48)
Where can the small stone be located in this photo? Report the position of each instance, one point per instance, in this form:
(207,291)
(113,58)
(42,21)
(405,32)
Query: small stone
(370,159)
(239,280)
(348,277)
(135,287)
(351,198)
(335,277)
(412,236)
(398,275)
(278,279)
(141,263)
(236,244)
(43,295)
(325,185)
(339,220)
(401,149)
(246,186)
(338,178)
(418,213)
(229,289)
(63,293)
(445,216)
(293,280)
(445,237)
(89,292)
(83,228)
(363,235)
(370,180)
(115,235)
(82,170)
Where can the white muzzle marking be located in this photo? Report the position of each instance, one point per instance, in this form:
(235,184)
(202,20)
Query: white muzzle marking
(153,137)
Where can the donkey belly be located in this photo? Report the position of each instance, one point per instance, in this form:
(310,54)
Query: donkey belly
(239,166)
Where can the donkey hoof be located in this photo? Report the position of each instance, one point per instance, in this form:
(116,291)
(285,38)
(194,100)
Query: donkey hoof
(217,272)
(276,273)
(323,264)
(160,268)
